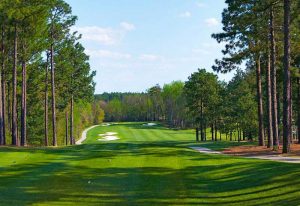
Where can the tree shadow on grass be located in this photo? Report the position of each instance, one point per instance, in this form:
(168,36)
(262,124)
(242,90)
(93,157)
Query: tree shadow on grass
(60,182)
(67,177)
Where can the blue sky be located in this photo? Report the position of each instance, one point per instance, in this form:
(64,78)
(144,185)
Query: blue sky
(135,44)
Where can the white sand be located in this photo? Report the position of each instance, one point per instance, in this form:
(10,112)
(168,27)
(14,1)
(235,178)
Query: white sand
(108,134)
(150,124)
(111,133)
(105,124)
(278,158)
(83,135)
(109,138)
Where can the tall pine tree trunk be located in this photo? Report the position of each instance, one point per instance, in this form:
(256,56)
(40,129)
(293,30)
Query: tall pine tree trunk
(3,87)
(259,103)
(287,98)
(4,106)
(298,109)
(216,131)
(212,132)
(269,106)
(274,82)
(1,114)
(53,105)
(24,106)
(201,122)
(9,106)
(14,92)
(204,130)
(1,91)
(72,140)
(46,103)
(67,128)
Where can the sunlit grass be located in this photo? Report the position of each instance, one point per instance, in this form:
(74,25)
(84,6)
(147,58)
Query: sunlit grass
(147,166)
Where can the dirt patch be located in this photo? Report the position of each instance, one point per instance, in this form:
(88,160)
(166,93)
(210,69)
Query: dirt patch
(260,150)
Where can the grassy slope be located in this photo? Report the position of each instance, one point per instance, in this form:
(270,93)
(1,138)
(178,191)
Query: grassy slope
(148,166)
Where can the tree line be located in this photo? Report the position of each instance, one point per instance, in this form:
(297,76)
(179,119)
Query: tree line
(201,102)
(265,36)
(46,90)
(164,104)
(261,101)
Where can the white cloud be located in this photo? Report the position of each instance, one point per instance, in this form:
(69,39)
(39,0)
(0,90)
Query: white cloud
(150,57)
(108,54)
(211,22)
(200,5)
(106,36)
(127,26)
(186,14)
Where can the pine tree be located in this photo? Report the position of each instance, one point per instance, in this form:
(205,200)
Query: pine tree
(287,96)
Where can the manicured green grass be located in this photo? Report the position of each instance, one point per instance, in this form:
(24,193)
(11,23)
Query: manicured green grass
(147,166)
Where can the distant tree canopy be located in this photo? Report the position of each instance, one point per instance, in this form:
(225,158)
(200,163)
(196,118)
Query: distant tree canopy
(203,101)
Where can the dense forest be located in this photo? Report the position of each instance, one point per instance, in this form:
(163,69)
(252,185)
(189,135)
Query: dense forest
(261,42)
(46,90)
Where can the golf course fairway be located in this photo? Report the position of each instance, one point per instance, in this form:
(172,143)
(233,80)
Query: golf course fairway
(144,165)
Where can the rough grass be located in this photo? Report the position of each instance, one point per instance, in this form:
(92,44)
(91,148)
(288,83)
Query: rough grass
(147,166)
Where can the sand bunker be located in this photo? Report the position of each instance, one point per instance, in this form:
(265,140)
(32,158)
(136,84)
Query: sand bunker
(150,124)
(108,136)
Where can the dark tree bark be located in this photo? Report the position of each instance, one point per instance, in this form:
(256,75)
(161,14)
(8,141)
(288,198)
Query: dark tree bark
(201,122)
(197,134)
(9,106)
(279,107)
(46,103)
(260,103)
(1,116)
(4,106)
(204,132)
(298,110)
(269,106)
(273,82)
(1,94)
(212,132)
(67,128)
(216,131)
(14,92)
(23,106)
(250,136)
(72,139)
(287,98)
(53,105)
